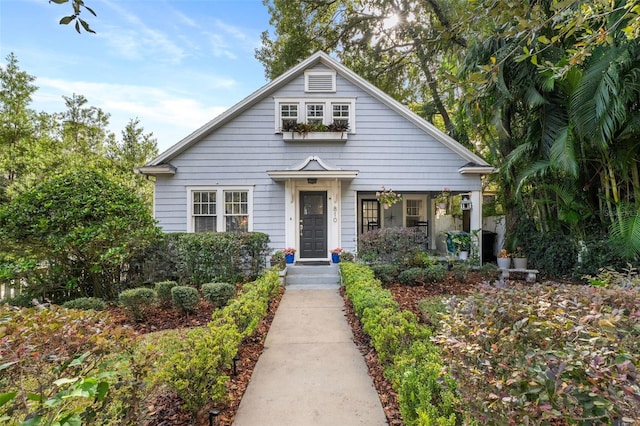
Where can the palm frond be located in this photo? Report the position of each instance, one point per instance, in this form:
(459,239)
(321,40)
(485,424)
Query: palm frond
(625,231)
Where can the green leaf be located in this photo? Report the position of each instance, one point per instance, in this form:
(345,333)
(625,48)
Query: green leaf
(58,1)
(67,19)
(103,388)
(6,397)
(34,397)
(33,421)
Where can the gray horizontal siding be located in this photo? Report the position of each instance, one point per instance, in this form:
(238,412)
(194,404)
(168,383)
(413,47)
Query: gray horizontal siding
(386,150)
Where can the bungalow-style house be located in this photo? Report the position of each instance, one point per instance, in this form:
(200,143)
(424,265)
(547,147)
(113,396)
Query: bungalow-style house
(263,165)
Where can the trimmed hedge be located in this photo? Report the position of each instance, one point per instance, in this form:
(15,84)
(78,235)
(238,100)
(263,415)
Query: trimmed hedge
(200,378)
(163,291)
(185,298)
(198,258)
(218,293)
(410,361)
(137,301)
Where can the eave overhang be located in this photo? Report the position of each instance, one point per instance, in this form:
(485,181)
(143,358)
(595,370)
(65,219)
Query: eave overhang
(312,168)
(160,169)
(476,169)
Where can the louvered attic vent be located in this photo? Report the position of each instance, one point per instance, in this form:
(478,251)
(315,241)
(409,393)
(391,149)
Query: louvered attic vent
(320,81)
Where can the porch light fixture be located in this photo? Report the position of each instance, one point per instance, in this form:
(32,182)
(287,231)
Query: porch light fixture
(312,181)
(465,204)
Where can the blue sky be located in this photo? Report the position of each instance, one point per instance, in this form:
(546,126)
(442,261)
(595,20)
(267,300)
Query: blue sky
(174,64)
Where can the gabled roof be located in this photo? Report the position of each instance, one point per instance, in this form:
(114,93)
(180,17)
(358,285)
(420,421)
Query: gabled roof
(328,61)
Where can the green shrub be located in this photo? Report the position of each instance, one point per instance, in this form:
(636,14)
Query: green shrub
(200,378)
(163,291)
(431,310)
(391,245)
(422,260)
(460,271)
(185,299)
(86,303)
(137,301)
(489,272)
(347,256)
(278,259)
(413,276)
(386,272)
(436,273)
(102,223)
(20,300)
(409,359)
(218,293)
(540,354)
(198,258)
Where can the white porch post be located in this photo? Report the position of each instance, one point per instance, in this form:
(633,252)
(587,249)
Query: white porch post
(475,219)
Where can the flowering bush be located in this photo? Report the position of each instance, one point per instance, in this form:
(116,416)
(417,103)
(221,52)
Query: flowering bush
(503,254)
(387,196)
(337,250)
(289,250)
(443,197)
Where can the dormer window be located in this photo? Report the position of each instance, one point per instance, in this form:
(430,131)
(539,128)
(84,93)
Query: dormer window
(320,81)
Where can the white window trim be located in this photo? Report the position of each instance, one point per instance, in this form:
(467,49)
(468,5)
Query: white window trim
(328,110)
(417,197)
(220,190)
(307,74)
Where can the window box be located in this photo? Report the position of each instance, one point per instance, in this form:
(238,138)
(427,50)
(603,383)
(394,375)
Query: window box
(315,136)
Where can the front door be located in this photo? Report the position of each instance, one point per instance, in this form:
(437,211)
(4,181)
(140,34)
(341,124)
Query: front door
(313,224)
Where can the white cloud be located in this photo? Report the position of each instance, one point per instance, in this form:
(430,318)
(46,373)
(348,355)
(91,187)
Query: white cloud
(169,116)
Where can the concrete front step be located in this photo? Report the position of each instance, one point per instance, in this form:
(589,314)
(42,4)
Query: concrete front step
(312,277)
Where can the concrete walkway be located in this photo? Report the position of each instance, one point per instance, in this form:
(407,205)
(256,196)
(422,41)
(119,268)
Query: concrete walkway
(310,372)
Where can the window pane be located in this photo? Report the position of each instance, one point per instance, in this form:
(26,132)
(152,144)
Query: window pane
(236,208)
(204,223)
(315,113)
(237,223)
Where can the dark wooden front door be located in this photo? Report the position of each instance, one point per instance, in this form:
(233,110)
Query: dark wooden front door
(313,224)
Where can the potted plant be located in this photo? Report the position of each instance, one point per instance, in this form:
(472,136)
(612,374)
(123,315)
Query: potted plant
(442,199)
(504,260)
(289,254)
(519,259)
(335,255)
(278,258)
(462,243)
(387,197)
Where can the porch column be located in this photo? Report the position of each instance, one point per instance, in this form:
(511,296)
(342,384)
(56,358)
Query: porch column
(475,217)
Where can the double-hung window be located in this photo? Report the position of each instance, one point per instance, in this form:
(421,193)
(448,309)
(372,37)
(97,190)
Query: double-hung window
(315,113)
(220,209)
(288,115)
(340,114)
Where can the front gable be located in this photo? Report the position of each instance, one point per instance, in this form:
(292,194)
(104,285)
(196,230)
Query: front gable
(245,170)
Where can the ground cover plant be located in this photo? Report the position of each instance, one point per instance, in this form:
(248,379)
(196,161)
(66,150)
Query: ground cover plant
(537,354)
(64,366)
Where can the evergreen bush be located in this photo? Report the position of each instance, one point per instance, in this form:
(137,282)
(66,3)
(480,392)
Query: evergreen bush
(163,291)
(218,293)
(185,299)
(137,301)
